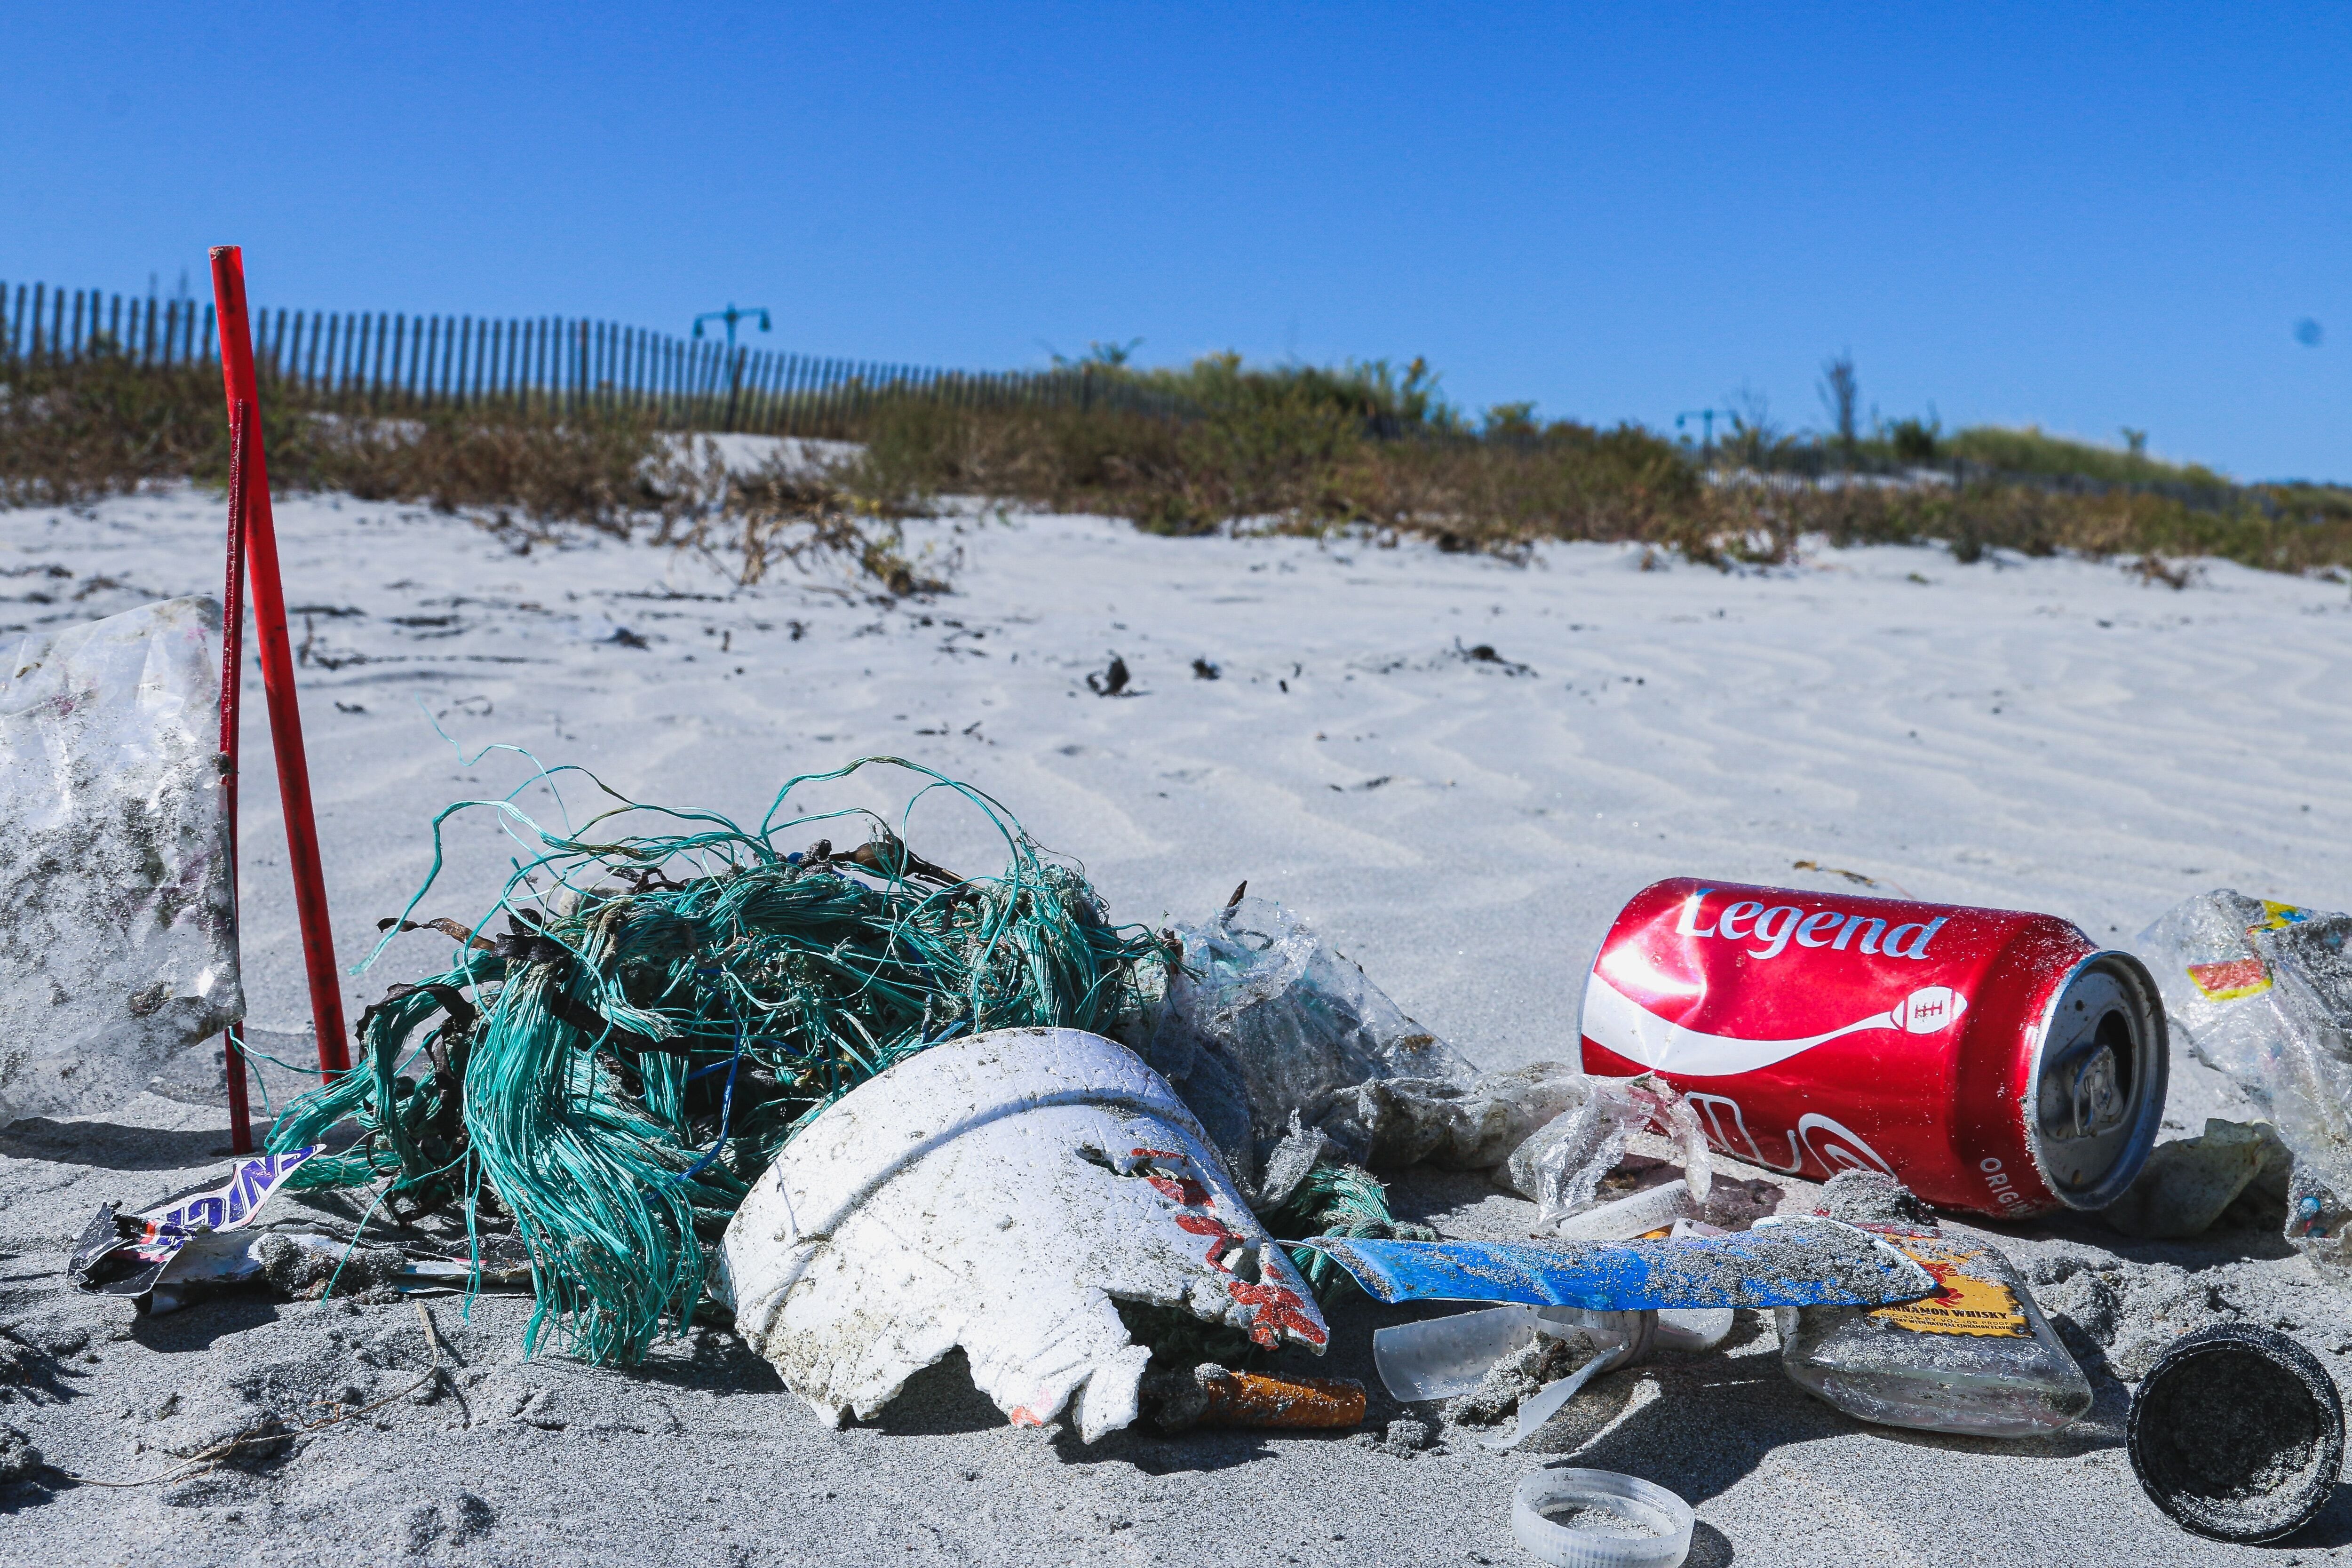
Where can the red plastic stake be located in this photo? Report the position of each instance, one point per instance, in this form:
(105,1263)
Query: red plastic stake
(277,669)
(240,435)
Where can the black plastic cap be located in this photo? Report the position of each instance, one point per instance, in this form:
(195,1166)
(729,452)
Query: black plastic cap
(2237,1433)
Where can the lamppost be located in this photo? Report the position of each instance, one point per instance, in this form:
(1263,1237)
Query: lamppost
(731,316)
(734,356)
(1705,417)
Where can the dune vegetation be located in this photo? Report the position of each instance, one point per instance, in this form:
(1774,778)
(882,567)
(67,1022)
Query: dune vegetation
(1369,446)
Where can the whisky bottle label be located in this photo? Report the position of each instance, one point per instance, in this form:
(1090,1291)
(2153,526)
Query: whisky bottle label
(1967,1303)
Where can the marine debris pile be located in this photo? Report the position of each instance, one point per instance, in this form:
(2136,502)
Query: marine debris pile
(871,1110)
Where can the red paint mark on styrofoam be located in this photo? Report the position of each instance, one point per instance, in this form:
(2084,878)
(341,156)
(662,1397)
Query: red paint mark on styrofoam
(1185,1190)
(1277,1309)
(1274,1309)
(1221,1239)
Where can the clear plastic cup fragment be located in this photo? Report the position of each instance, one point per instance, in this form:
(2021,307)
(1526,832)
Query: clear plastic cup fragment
(1694,1327)
(1439,1358)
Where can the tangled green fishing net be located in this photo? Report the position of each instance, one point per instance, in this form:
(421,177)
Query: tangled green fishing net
(663,1011)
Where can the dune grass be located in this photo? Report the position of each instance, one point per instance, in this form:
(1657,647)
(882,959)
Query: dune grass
(1305,448)
(104,425)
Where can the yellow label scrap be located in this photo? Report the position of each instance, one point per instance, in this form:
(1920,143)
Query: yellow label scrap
(1967,1303)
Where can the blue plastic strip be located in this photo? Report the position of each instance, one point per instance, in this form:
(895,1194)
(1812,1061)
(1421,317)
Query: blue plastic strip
(1752,1268)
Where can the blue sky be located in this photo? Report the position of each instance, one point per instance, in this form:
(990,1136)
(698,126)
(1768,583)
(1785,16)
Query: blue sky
(2081,216)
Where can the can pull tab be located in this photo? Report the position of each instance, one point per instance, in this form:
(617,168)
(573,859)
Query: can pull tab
(2099,1098)
(2086,1097)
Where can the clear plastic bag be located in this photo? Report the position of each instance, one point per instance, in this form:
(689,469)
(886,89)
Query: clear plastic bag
(119,941)
(2216,987)
(1267,1024)
(2261,991)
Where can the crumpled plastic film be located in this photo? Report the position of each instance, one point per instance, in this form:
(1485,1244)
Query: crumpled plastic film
(1566,1161)
(1001,1193)
(1265,1020)
(2261,991)
(1268,1023)
(118,934)
(1458,1126)
(2216,988)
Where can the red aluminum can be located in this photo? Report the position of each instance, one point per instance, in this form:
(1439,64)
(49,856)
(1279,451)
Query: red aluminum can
(1995,1062)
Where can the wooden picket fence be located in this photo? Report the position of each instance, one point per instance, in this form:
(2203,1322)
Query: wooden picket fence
(381,363)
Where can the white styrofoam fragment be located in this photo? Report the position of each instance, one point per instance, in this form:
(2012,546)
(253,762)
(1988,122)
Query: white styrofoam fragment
(999,1193)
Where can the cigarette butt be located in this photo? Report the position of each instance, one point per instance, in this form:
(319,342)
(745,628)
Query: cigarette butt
(1258,1399)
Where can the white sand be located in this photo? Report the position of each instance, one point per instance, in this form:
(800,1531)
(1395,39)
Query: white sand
(2045,734)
